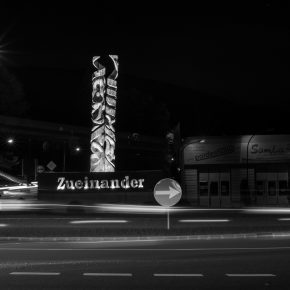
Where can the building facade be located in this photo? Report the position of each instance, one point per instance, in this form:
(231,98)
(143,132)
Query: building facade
(236,171)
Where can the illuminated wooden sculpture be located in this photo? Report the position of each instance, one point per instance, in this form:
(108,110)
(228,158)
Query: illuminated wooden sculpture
(104,98)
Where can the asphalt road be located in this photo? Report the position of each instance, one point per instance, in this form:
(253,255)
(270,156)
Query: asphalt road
(52,251)
(150,264)
(121,224)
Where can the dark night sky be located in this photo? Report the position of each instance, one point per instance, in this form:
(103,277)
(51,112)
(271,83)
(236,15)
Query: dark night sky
(236,56)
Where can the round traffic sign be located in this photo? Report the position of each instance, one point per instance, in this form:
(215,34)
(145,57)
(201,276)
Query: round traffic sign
(167,192)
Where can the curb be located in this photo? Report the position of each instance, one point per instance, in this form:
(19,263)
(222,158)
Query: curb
(149,238)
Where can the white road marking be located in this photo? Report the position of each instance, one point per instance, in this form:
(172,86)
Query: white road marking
(109,274)
(99,222)
(250,275)
(284,219)
(178,275)
(36,273)
(205,221)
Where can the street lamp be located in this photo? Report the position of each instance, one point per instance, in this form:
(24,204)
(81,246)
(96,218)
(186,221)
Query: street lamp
(10,140)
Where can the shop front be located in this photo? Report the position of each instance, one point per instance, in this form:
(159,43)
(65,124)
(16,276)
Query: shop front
(236,171)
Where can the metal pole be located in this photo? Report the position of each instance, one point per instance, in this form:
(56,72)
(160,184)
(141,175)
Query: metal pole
(168,220)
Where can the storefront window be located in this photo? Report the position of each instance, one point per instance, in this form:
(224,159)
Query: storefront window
(283,187)
(260,186)
(225,188)
(214,188)
(203,188)
(272,187)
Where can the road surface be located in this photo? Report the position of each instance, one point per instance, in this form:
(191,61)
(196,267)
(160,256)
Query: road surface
(124,224)
(151,264)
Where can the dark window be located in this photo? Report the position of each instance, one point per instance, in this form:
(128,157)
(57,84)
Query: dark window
(283,187)
(214,188)
(203,188)
(272,187)
(225,188)
(260,186)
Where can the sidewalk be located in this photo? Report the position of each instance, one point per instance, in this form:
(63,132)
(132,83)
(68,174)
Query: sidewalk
(150,238)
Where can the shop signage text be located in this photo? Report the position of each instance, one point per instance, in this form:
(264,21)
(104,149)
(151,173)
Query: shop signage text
(87,183)
(98,182)
(216,153)
(270,149)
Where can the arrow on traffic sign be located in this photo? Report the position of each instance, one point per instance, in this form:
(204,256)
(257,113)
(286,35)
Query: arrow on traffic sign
(171,191)
(167,192)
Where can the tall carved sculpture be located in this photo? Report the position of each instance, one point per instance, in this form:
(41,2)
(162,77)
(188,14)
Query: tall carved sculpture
(104,99)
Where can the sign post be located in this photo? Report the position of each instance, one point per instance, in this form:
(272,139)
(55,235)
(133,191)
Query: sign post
(167,192)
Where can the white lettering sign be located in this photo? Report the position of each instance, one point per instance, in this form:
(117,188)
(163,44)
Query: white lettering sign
(86,183)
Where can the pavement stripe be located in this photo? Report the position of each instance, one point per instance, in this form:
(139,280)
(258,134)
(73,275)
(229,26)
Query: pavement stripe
(178,275)
(284,219)
(250,275)
(36,273)
(99,222)
(204,221)
(109,274)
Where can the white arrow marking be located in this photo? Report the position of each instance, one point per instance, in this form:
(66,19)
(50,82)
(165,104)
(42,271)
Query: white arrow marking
(172,192)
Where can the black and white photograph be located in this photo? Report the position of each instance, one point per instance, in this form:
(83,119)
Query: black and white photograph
(144,145)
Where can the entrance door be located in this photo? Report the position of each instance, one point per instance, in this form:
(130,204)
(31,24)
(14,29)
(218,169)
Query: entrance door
(214,190)
(225,189)
(283,188)
(272,188)
(203,189)
(219,189)
(261,182)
